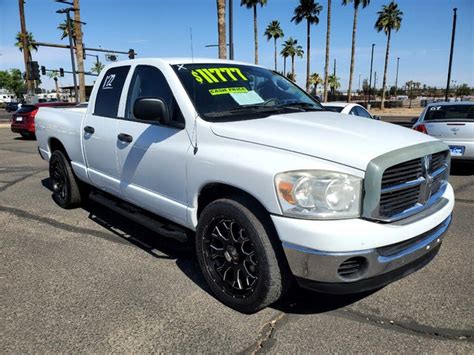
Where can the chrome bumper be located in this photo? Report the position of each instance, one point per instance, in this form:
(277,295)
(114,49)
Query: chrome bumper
(349,272)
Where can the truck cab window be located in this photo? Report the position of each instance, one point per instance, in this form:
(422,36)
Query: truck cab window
(149,81)
(110,89)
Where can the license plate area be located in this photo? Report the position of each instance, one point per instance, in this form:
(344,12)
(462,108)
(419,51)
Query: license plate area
(18,119)
(456,150)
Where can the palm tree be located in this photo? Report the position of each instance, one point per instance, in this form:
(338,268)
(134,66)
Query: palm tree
(334,83)
(97,68)
(252,4)
(29,39)
(291,76)
(390,18)
(54,75)
(364,3)
(284,53)
(307,10)
(221,29)
(293,49)
(315,79)
(326,65)
(274,31)
(63,27)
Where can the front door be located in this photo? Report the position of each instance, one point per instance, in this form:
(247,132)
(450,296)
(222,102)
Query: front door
(152,158)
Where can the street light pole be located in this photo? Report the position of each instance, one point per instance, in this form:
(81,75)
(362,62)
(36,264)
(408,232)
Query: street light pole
(396,77)
(370,77)
(231,30)
(71,49)
(453,34)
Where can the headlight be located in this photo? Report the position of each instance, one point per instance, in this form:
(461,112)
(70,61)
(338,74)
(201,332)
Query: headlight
(319,194)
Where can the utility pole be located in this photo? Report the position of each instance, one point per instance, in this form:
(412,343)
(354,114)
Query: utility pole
(453,34)
(375,83)
(396,77)
(231,30)
(25,45)
(358,87)
(370,77)
(79,50)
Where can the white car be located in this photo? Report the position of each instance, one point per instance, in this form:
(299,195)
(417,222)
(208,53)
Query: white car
(273,187)
(349,109)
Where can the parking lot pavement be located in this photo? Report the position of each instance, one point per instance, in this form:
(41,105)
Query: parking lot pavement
(87,280)
(4,116)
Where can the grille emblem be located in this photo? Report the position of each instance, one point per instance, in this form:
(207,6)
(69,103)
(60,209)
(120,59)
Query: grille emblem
(426,187)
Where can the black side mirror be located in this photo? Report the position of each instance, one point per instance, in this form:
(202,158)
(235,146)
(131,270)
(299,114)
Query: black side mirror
(151,109)
(413,120)
(377,118)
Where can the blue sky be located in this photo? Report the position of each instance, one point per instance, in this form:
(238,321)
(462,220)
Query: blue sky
(157,28)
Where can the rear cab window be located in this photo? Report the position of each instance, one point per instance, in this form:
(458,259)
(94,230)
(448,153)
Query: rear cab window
(110,89)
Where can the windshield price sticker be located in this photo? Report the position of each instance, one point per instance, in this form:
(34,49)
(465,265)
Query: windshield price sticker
(222,91)
(218,75)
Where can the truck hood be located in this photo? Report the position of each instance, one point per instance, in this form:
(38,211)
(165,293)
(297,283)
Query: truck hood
(344,139)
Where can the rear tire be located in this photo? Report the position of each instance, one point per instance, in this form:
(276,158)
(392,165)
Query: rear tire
(240,255)
(66,190)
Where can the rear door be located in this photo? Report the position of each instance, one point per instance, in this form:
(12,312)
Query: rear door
(100,129)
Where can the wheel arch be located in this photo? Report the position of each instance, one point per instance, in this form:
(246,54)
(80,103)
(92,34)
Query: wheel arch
(55,144)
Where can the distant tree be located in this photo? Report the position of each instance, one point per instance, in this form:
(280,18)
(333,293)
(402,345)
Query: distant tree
(55,75)
(334,83)
(29,39)
(463,90)
(309,11)
(12,81)
(274,31)
(252,4)
(292,49)
(285,54)
(365,87)
(64,28)
(97,67)
(389,19)
(364,3)
(315,79)
(291,76)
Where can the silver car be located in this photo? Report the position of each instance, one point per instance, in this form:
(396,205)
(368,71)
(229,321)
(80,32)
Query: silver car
(452,122)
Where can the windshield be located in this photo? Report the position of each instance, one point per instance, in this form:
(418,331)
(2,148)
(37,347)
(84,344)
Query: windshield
(237,92)
(450,113)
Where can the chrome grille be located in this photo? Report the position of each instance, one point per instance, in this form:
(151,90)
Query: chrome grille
(411,186)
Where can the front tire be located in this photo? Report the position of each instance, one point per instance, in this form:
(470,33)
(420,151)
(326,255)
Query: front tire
(66,192)
(239,255)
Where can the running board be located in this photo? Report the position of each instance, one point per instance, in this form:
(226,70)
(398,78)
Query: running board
(166,229)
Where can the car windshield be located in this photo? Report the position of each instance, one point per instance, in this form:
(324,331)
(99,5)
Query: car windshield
(450,113)
(334,108)
(223,92)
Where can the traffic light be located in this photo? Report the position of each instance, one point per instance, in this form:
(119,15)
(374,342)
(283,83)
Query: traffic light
(131,54)
(43,70)
(111,57)
(33,70)
(61,72)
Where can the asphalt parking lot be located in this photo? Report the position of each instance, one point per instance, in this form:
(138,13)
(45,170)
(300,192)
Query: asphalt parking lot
(86,280)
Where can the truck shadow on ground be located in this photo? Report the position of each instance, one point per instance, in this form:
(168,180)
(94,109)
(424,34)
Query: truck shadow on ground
(462,168)
(297,301)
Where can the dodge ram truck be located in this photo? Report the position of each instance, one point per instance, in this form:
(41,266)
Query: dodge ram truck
(274,188)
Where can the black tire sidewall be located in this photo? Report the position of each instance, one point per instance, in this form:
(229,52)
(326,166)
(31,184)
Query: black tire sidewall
(268,285)
(70,199)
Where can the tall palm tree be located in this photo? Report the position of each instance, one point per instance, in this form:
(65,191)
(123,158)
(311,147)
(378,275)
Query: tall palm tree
(29,39)
(252,4)
(326,62)
(54,75)
(274,31)
(293,49)
(97,68)
(284,53)
(63,27)
(334,83)
(307,10)
(315,81)
(364,3)
(221,29)
(390,18)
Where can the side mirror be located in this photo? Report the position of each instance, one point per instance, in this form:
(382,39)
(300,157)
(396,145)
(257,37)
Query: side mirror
(378,118)
(413,120)
(151,109)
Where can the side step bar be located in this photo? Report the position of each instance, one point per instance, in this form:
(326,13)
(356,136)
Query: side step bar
(166,229)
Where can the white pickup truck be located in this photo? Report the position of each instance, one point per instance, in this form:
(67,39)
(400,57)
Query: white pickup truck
(273,187)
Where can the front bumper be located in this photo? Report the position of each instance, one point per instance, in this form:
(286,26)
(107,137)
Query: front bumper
(350,256)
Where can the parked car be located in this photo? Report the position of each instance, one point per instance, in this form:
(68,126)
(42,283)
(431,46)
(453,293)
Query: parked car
(11,106)
(453,123)
(349,109)
(273,187)
(23,120)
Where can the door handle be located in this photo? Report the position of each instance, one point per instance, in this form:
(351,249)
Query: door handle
(89,129)
(125,137)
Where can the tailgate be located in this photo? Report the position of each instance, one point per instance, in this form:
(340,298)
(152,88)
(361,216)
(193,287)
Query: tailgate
(452,131)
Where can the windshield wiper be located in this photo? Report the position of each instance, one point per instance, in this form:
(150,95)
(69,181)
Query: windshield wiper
(302,105)
(244,109)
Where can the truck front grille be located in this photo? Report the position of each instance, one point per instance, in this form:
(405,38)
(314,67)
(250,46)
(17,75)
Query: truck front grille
(409,186)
